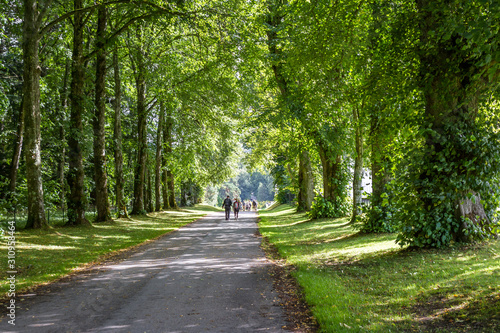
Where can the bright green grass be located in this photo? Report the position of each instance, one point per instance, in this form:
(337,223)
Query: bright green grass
(45,255)
(367,283)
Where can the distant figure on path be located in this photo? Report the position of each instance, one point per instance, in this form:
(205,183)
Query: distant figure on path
(236,207)
(227,206)
(254,205)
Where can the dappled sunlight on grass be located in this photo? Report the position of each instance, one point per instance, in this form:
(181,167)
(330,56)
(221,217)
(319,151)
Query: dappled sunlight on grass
(287,225)
(44,255)
(279,211)
(366,282)
(44,247)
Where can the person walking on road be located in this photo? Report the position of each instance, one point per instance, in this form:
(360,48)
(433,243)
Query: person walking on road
(227,206)
(236,207)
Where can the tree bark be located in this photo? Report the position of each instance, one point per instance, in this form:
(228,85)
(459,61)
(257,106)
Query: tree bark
(169,177)
(472,209)
(117,138)
(357,184)
(31,110)
(305,176)
(332,173)
(306,183)
(166,202)
(164,161)
(139,176)
(148,194)
(171,190)
(99,121)
(451,94)
(158,164)
(76,199)
(62,134)
(186,194)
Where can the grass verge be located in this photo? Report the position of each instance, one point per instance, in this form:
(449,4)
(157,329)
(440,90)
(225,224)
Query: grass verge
(367,283)
(43,256)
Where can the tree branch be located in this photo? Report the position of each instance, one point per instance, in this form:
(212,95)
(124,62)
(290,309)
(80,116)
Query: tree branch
(49,25)
(119,31)
(159,9)
(43,11)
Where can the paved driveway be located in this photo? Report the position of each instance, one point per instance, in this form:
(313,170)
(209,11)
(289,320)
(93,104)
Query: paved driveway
(210,276)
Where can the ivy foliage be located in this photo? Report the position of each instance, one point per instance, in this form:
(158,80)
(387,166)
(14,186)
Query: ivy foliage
(322,208)
(439,178)
(378,218)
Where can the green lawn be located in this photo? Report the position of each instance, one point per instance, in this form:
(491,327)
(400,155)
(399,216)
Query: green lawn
(360,283)
(45,255)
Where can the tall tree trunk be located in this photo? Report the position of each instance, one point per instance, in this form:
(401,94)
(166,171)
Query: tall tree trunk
(149,194)
(305,177)
(31,110)
(138,207)
(158,160)
(306,182)
(332,173)
(171,190)
(184,194)
(99,121)
(164,178)
(357,184)
(117,139)
(451,93)
(76,199)
(62,134)
(16,156)
(169,124)
(164,163)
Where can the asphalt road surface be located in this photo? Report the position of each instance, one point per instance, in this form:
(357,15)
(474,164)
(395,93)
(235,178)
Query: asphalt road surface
(210,276)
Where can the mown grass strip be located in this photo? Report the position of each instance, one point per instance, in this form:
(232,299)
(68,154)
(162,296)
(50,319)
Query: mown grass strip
(367,283)
(46,255)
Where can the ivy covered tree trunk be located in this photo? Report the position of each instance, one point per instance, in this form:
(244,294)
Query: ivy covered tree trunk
(357,184)
(450,173)
(117,139)
(77,199)
(99,121)
(451,104)
(31,110)
(306,183)
(140,169)
(158,160)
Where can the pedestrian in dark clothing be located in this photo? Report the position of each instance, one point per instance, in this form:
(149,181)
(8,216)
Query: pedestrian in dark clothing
(227,206)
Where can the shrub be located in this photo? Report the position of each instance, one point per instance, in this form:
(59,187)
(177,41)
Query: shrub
(324,208)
